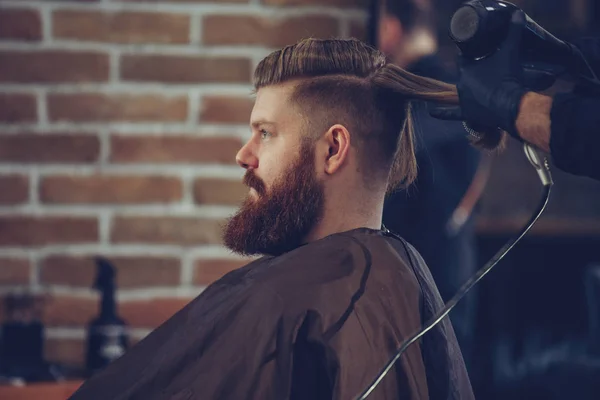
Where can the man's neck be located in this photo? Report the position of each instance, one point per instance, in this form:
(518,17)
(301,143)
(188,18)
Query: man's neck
(339,219)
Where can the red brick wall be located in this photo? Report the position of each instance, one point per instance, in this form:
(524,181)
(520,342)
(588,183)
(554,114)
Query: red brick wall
(119,123)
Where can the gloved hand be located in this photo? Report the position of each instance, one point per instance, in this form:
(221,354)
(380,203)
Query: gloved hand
(490,90)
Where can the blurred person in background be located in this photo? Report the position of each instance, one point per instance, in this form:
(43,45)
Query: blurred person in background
(333,295)
(435,214)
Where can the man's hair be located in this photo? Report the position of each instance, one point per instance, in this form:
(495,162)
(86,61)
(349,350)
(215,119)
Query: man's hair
(350,83)
(411,13)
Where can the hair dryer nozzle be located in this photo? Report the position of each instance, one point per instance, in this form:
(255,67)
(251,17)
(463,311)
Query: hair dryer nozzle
(479,26)
(464,24)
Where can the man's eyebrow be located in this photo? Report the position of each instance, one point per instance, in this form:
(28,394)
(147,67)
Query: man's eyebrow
(257,123)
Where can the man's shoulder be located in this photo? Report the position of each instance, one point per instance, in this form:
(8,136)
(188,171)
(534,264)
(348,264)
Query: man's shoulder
(241,287)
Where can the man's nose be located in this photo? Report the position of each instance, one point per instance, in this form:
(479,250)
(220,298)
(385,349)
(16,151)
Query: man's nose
(246,157)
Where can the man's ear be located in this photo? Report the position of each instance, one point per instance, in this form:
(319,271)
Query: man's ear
(337,140)
(390,34)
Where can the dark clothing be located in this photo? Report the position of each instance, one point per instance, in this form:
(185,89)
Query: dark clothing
(447,162)
(575,127)
(575,134)
(447,165)
(316,323)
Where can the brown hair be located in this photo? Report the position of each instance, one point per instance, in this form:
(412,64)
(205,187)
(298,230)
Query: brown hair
(346,81)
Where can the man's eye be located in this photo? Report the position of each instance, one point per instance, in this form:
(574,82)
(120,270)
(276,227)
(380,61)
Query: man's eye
(264,134)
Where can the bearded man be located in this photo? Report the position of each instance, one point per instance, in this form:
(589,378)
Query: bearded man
(333,295)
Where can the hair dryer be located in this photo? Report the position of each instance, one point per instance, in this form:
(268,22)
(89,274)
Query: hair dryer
(479,27)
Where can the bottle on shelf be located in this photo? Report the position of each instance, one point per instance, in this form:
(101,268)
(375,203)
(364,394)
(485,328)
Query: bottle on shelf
(107,337)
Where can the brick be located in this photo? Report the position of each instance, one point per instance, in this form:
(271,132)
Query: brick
(132,271)
(121,27)
(250,30)
(20,24)
(219,191)
(358,30)
(67,311)
(14,271)
(96,107)
(28,148)
(52,66)
(184,69)
(174,149)
(226,109)
(18,107)
(22,230)
(69,352)
(74,311)
(14,189)
(362,4)
(150,313)
(209,270)
(185,231)
(182,1)
(99,189)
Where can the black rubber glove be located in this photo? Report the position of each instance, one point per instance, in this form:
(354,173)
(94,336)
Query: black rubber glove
(490,90)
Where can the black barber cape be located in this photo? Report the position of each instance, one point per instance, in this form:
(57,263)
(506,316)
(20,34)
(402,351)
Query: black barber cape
(318,322)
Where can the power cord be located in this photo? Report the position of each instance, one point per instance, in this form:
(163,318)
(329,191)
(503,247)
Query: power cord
(541,166)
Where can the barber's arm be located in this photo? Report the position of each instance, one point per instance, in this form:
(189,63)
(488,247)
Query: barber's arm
(533,121)
(567,126)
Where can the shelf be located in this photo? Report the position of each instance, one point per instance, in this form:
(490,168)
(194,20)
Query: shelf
(550,226)
(39,391)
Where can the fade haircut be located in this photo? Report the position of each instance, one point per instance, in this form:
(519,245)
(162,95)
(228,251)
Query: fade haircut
(347,82)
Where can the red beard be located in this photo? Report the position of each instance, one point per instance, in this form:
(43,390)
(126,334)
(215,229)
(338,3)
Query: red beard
(279,220)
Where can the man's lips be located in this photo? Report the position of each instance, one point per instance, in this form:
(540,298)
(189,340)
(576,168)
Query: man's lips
(253,182)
